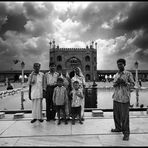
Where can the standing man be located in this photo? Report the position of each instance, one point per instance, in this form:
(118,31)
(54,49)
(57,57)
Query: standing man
(35,82)
(122,84)
(50,82)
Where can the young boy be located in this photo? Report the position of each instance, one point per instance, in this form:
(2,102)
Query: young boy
(59,99)
(77,96)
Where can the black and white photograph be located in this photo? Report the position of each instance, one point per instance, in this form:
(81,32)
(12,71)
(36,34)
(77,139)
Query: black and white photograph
(73,73)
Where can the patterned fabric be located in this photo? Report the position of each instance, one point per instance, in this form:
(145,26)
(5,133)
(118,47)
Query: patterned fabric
(36,82)
(60,95)
(76,100)
(122,92)
(81,80)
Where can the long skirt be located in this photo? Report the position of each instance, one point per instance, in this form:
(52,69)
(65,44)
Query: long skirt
(83,104)
(37,108)
(82,108)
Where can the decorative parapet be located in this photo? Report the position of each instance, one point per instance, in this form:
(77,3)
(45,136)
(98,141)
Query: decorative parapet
(71,49)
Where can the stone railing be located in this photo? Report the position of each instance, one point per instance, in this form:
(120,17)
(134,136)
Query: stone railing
(12,92)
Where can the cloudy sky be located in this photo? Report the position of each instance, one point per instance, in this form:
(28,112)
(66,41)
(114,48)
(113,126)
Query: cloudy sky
(119,28)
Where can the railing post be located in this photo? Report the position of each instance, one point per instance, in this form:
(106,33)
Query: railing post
(137,86)
(22,92)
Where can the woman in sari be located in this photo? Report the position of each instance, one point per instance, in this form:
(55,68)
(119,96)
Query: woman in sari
(78,76)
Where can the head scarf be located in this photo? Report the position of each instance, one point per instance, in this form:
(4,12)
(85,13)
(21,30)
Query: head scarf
(80,72)
(79,78)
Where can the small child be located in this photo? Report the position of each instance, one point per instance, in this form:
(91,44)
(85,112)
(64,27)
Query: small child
(77,96)
(9,86)
(59,99)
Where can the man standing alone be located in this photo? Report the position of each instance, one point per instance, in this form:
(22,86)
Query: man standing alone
(122,84)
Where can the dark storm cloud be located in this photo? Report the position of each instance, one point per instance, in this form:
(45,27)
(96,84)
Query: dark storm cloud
(142,40)
(5,49)
(3,10)
(137,18)
(3,14)
(28,27)
(15,23)
(11,17)
(136,21)
(37,11)
(19,23)
(97,13)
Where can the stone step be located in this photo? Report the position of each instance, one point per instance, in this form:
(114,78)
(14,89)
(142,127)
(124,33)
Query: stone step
(97,113)
(18,115)
(2,115)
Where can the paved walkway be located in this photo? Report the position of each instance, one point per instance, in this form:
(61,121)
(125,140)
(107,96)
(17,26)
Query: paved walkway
(94,132)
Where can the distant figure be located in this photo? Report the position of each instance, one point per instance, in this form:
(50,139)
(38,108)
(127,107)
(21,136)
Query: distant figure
(140,83)
(141,106)
(9,85)
(123,81)
(36,92)
(6,81)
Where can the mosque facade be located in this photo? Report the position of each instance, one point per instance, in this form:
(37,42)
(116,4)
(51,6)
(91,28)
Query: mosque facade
(68,58)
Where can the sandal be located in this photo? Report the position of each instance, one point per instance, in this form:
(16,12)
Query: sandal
(115,130)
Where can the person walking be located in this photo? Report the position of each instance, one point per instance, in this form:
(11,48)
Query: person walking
(35,82)
(78,76)
(60,99)
(123,82)
(50,82)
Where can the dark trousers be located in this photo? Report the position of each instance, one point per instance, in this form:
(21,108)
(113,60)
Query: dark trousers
(76,111)
(121,116)
(61,108)
(50,108)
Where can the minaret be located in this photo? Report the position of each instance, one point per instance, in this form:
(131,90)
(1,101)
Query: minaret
(50,43)
(53,46)
(96,45)
(92,44)
(53,43)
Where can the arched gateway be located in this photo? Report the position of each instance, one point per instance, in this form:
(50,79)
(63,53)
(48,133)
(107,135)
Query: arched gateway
(67,58)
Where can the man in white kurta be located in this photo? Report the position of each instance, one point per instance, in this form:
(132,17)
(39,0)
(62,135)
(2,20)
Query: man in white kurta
(36,92)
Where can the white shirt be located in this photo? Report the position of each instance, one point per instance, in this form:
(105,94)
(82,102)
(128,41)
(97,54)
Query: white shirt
(50,79)
(37,87)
